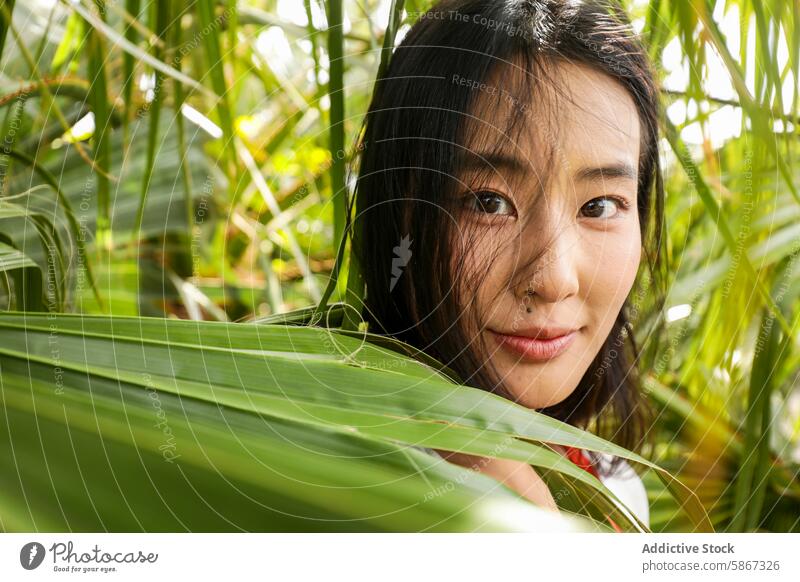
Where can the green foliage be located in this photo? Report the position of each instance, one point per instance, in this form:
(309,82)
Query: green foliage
(229,391)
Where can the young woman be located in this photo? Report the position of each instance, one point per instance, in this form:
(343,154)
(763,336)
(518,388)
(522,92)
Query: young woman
(508,192)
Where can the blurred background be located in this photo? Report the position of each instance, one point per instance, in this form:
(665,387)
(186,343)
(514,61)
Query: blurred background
(189,159)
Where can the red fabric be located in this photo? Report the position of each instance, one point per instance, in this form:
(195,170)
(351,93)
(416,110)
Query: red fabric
(580,458)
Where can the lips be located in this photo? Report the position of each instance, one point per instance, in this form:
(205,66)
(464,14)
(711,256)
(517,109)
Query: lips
(538,344)
(544,333)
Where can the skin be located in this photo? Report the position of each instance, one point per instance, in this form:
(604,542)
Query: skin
(584,274)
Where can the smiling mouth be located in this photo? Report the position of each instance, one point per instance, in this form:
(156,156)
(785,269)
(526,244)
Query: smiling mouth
(538,350)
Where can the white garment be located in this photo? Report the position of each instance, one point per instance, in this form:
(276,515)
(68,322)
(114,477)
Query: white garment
(625,483)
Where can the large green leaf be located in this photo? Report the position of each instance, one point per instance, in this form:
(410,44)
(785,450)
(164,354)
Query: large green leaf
(314,377)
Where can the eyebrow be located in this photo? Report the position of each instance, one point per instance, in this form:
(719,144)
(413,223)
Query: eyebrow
(618,170)
(621,170)
(471,160)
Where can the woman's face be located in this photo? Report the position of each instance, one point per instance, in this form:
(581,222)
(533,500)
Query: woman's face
(563,224)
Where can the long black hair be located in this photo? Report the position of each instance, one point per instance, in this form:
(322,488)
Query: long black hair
(425,115)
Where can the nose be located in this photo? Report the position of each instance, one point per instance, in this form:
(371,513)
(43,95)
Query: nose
(555,272)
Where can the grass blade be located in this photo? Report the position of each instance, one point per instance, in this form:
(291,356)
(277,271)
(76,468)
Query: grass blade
(132,8)
(160,15)
(216,70)
(98,102)
(6,10)
(336,119)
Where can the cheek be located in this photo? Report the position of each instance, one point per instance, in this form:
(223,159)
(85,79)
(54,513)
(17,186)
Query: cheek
(612,269)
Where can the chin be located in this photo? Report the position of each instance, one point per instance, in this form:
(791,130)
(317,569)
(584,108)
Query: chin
(534,399)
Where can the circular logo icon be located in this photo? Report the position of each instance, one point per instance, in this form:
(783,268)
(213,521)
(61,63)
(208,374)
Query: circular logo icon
(31,555)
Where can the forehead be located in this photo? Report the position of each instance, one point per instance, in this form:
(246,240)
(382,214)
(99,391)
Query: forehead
(563,115)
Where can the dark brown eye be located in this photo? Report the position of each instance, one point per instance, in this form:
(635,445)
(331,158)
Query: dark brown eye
(603,207)
(487,202)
